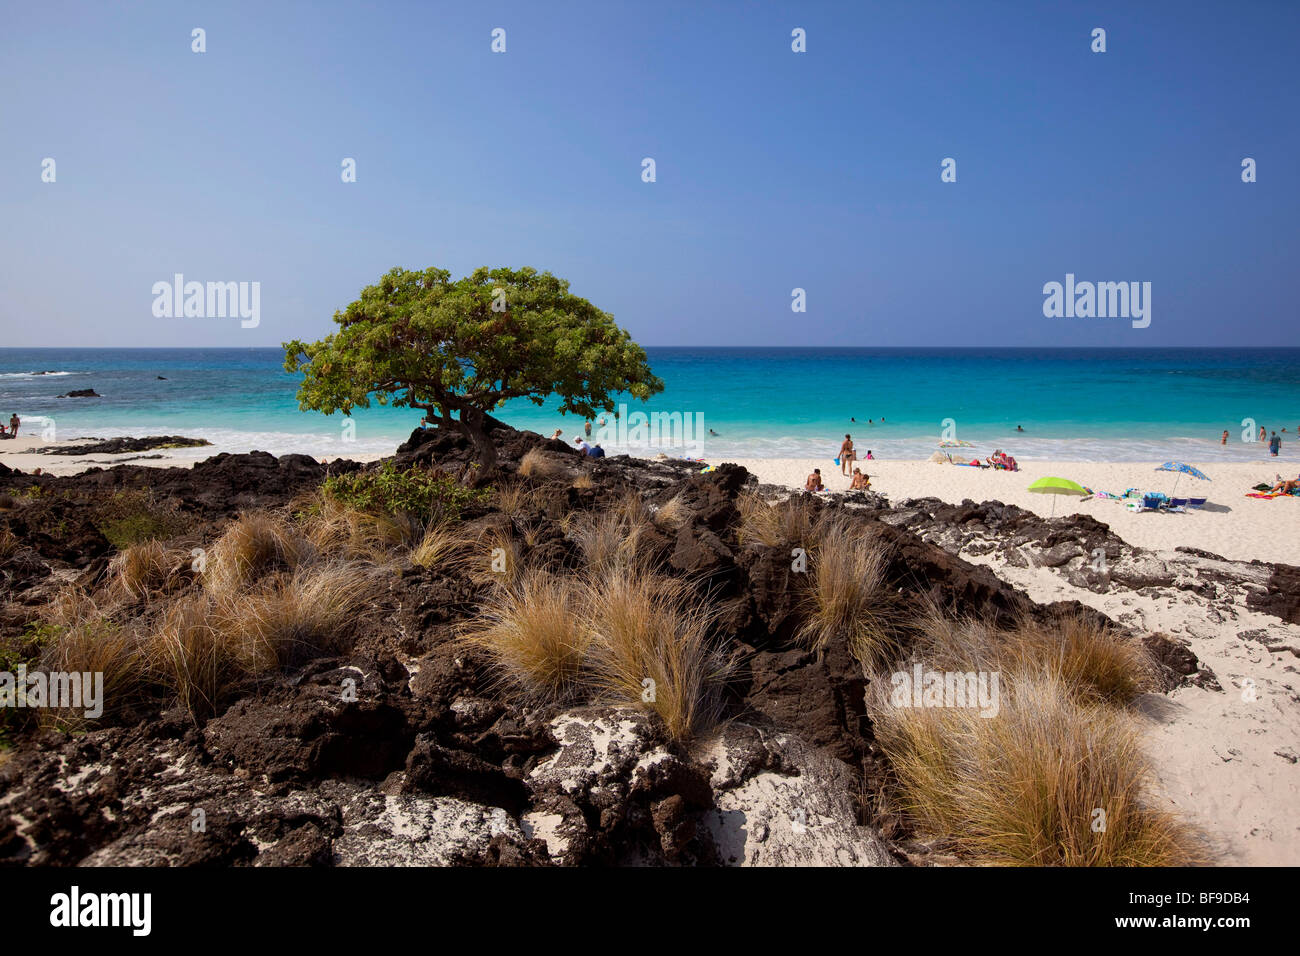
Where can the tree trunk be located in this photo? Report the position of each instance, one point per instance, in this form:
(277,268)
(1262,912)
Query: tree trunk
(473,422)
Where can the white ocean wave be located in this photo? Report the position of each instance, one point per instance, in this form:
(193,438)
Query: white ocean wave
(241,442)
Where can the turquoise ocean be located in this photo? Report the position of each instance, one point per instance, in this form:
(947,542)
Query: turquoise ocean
(1073,404)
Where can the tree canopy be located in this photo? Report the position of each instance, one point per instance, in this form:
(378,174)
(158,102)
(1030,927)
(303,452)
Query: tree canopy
(459,349)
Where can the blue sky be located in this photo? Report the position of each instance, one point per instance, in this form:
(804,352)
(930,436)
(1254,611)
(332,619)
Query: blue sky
(775,170)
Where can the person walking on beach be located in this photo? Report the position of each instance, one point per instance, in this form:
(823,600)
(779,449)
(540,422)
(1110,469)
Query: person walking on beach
(814,482)
(14,422)
(847,455)
(1274,445)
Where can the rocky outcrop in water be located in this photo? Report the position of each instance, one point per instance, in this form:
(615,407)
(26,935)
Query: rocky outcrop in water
(121,446)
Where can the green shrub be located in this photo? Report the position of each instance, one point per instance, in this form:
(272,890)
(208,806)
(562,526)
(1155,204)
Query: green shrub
(423,493)
(133,517)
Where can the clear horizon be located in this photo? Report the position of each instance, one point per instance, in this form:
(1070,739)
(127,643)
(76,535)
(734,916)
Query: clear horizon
(775,170)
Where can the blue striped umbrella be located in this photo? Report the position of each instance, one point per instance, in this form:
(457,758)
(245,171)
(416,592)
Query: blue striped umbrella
(1183,469)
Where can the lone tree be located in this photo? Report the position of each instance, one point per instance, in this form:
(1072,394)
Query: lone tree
(460,349)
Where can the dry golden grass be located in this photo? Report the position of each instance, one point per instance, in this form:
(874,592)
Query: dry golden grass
(538,463)
(207,647)
(1092,660)
(196,661)
(144,569)
(511,498)
(442,543)
(584,481)
(652,647)
(345,533)
(672,514)
(628,636)
(496,559)
(301,614)
(536,635)
(1024,787)
(8,544)
(607,541)
(613,539)
(762,524)
(91,643)
(847,597)
(251,546)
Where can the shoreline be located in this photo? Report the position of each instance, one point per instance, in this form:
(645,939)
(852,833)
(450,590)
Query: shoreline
(1231,524)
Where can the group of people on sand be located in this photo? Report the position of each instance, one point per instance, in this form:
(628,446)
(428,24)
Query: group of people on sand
(12,431)
(848,455)
(860,481)
(1002,461)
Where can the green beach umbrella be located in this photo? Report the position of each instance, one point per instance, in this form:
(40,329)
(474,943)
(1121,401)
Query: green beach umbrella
(1057,486)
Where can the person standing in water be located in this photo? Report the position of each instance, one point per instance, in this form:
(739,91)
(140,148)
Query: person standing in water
(847,455)
(1224,439)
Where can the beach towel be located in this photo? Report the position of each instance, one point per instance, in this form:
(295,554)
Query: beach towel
(1257,494)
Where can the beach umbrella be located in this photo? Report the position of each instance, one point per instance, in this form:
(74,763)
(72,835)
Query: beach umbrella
(1182,468)
(1057,486)
(953,443)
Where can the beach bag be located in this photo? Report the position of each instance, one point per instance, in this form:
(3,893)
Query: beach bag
(837,462)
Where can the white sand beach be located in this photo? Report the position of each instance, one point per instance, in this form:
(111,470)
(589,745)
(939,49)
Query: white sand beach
(19,453)
(1230,525)
(1226,759)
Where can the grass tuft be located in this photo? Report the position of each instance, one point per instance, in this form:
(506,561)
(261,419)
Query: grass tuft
(251,546)
(790,522)
(1050,780)
(536,635)
(847,597)
(652,647)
